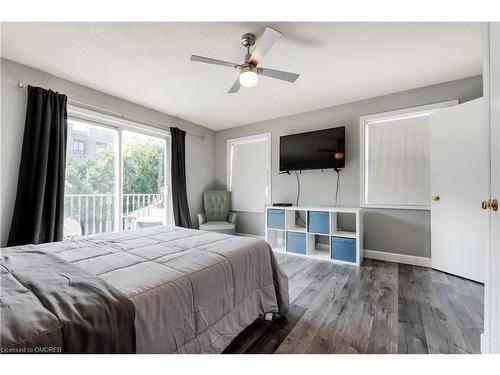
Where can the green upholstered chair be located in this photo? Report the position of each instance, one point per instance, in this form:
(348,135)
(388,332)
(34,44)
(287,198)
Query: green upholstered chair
(218,216)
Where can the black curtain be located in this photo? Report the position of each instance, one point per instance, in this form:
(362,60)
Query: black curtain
(178,172)
(39,208)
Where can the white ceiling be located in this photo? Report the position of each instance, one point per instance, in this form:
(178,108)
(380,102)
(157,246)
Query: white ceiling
(148,63)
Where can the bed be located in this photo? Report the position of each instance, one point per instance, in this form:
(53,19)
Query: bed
(152,290)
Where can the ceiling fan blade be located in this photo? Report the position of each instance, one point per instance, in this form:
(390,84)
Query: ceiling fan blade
(235,87)
(264,44)
(278,74)
(208,60)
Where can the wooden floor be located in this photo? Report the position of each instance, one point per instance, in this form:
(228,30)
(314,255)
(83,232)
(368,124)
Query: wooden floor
(381,307)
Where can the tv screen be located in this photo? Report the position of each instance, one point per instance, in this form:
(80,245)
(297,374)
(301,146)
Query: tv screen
(321,149)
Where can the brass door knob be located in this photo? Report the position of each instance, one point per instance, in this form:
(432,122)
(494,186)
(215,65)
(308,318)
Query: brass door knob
(490,203)
(494,205)
(435,197)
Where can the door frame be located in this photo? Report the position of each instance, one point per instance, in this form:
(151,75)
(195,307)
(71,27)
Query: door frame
(490,339)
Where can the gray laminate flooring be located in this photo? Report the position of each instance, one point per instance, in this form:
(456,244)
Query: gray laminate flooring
(380,307)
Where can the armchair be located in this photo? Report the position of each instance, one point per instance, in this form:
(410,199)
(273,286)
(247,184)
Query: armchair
(217,216)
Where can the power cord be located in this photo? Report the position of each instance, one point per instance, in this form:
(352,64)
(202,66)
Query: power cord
(337,188)
(297,213)
(298,189)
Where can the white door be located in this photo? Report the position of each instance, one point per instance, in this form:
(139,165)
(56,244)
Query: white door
(459,182)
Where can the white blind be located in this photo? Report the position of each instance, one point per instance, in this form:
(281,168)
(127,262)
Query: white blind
(397,161)
(249,174)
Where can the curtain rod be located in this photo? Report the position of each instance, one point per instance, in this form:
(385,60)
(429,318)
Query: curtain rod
(22,85)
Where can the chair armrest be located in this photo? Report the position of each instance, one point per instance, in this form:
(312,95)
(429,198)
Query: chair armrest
(202,218)
(232,218)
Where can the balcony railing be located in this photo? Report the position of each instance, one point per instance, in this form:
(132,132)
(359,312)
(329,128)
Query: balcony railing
(89,214)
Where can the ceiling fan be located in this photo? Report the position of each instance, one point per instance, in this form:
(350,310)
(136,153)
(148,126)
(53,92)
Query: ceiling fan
(249,70)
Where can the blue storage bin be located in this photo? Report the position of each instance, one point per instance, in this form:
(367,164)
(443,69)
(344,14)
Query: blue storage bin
(276,219)
(344,249)
(318,222)
(296,242)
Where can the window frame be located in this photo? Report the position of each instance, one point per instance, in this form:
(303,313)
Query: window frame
(266,137)
(94,117)
(101,145)
(79,150)
(399,114)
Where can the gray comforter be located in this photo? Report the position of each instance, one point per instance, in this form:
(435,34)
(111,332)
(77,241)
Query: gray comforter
(192,291)
(49,305)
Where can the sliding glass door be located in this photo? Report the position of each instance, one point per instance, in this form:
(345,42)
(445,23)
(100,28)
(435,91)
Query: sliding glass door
(144,180)
(115,177)
(91,173)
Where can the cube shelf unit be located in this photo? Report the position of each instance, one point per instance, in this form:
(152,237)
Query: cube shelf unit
(314,232)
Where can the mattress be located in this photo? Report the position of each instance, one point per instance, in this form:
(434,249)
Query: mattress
(192,291)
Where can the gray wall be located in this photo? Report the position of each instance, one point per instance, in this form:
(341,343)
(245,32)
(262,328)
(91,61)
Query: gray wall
(404,232)
(395,231)
(200,153)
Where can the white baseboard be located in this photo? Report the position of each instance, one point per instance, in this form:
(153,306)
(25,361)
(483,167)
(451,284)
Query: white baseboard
(397,258)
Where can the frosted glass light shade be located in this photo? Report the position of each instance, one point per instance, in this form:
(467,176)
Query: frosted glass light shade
(249,78)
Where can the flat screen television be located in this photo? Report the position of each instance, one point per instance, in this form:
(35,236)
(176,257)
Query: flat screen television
(321,149)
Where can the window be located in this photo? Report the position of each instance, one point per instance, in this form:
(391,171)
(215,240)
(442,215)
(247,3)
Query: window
(78,147)
(249,172)
(99,145)
(119,184)
(395,157)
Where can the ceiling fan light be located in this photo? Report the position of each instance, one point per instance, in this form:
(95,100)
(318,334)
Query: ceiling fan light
(248,76)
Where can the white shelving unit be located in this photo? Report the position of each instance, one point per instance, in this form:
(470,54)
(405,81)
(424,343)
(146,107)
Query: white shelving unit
(318,244)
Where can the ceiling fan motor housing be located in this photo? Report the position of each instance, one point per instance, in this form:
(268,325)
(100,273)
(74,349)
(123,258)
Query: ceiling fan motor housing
(249,68)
